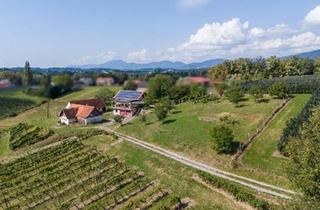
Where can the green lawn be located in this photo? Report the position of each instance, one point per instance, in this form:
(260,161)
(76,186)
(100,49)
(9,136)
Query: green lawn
(262,154)
(171,174)
(186,129)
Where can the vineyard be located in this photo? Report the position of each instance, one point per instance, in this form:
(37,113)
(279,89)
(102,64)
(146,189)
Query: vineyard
(12,106)
(73,176)
(23,135)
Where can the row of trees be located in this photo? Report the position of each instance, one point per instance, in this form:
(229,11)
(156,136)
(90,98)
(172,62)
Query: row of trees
(245,69)
(304,166)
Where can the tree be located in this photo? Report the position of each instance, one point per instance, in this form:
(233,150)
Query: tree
(27,77)
(158,87)
(234,95)
(304,167)
(106,94)
(130,85)
(256,92)
(63,81)
(317,66)
(274,67)
(161,111)
(278,90)
(222,138)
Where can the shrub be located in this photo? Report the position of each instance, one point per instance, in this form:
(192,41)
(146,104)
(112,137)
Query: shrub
(118,119)
(237,191)
(278,90)
(256,92)
(234,95)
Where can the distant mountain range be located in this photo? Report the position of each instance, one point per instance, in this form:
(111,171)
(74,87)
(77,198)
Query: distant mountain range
(311,55)
(123,65)
(166,64)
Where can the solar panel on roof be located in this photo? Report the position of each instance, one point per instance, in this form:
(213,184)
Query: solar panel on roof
(128,95)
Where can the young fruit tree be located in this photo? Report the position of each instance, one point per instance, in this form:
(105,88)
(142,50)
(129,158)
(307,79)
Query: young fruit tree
(222,138)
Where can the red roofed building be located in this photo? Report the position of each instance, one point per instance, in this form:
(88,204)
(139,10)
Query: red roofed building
(82,111)
(107,81)
(200,80)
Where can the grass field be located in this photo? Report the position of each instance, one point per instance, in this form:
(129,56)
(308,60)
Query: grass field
(263,153)
(171,174)
(15,101)
(186,130)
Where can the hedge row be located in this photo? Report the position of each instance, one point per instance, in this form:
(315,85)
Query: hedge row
(24,134)
(238,192)
(295,84)
(294,125)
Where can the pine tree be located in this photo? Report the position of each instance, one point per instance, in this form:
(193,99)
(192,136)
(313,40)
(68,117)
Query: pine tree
(27,77)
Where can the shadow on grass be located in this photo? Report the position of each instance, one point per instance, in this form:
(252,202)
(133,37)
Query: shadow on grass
(176,112)
(264,100)
(169,121)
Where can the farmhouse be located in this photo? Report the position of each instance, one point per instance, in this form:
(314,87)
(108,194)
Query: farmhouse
(82,111)
(107,81)
(128,103)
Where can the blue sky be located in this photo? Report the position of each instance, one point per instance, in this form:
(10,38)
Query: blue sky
(64,32)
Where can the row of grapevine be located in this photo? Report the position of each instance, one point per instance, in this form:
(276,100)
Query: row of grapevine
(23,135)
(73,176)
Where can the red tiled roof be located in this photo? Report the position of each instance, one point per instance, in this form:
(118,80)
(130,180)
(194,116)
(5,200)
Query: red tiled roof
(85,111)
(199,79)
(81,111)
(95,102)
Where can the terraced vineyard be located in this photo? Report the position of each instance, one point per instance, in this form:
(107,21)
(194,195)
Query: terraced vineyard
(74,176)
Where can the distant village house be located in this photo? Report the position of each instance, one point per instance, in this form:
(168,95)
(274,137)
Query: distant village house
(105,81)
(5,83)
(128,103)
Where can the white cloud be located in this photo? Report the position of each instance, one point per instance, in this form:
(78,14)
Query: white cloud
(192,3)
(140,55)
(95,59)
(235,38)
(313,17)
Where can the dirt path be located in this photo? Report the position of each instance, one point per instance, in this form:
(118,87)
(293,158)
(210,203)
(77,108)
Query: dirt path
(247,182)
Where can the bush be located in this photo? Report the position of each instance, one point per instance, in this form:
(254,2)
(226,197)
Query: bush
(161,111)
(234,95)
(256,92)
(278,90)
(118,119)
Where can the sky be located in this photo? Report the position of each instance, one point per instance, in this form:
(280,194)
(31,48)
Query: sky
(59,33)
